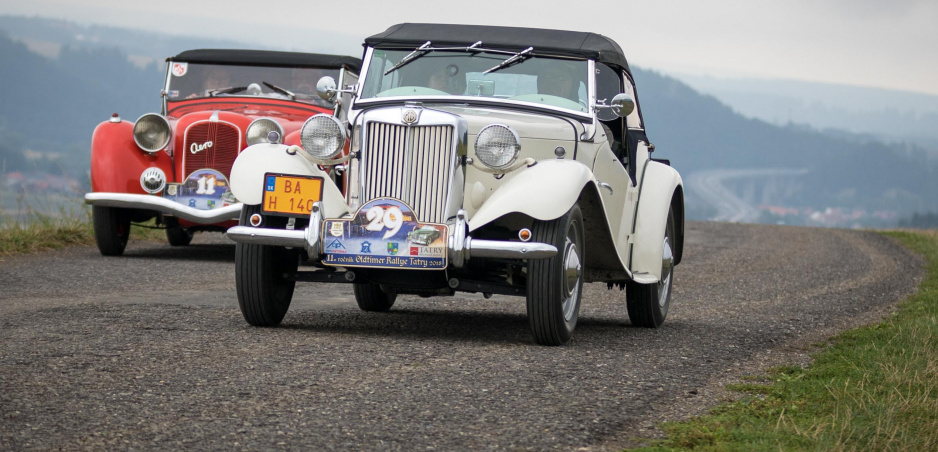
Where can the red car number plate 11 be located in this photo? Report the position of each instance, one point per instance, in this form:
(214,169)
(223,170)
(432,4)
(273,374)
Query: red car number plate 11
(291,195)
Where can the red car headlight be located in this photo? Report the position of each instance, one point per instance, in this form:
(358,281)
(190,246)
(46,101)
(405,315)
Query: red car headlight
(259,130)
(152,132)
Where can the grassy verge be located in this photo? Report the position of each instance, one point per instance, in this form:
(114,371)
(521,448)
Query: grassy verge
(876,388)
(45,233)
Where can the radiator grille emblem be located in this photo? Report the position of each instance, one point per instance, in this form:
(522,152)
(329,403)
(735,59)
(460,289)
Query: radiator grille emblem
(409,116)
(195,148)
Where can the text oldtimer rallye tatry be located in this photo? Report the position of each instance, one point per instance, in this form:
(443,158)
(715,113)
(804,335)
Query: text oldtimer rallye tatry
(482,159)
(175,166)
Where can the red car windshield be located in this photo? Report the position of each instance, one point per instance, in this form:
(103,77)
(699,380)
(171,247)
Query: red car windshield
(191,81)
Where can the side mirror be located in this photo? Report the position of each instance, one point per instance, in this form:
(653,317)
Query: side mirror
(326,88)
(622,105)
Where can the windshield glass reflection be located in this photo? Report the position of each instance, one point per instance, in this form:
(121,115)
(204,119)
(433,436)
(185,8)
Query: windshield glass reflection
(550,81)
(192,81)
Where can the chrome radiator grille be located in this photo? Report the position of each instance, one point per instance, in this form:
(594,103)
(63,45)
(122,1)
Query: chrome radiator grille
(410,163)
(225,145)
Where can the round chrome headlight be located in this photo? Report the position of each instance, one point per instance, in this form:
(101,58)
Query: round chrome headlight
(323,136)
(259,130)
(498,146)
(153,180)
(152,132)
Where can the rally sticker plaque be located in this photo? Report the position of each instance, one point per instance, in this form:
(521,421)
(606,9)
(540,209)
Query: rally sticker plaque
(204,189)
(384,233)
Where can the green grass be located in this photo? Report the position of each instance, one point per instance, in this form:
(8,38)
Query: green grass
(43,233)
(875,388)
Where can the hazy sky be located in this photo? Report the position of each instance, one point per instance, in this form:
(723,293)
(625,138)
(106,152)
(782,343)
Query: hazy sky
(881,43)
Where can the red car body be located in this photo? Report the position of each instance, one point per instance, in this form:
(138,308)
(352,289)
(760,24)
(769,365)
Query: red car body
(183,183)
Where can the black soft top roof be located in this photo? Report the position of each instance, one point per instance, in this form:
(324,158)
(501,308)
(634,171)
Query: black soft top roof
(267,58)
(551,42)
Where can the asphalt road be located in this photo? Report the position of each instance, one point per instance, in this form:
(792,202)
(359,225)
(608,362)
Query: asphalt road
(149,350)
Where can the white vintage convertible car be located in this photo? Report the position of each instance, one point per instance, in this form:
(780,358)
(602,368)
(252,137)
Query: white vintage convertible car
(496,160)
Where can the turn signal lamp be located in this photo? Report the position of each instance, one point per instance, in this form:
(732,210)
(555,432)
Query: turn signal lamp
(524,234)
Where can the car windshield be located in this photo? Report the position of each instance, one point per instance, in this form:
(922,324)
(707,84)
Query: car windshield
(191,81)
(439,74)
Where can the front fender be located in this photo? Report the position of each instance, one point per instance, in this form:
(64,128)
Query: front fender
(247,176)
(659,184)
(544,191)
(117,162)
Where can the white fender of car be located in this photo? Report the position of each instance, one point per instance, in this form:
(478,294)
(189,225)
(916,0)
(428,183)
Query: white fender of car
(659,187)
(247,175)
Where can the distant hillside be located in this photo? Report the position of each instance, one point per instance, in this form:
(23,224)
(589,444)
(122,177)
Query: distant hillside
(51,106)
(889,115)
(49,36)
(46,36)
(699,133)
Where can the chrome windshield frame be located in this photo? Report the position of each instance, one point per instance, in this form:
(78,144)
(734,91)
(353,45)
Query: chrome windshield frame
(359,103)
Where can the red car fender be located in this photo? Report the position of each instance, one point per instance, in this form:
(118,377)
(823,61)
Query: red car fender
(292,138)
(117,161)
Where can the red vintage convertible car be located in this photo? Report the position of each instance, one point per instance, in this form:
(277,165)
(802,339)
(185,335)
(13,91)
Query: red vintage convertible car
(174,166)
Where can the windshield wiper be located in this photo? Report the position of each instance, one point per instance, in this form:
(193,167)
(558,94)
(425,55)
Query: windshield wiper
(417,53)
(514,59)
(215,92)
(280,90)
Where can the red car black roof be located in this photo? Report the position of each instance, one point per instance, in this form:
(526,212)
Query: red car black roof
(268,58)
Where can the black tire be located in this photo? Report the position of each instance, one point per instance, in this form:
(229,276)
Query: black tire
(555,285)
(111,230)
(176,235)
(262,278)
(371,298)
(648,303)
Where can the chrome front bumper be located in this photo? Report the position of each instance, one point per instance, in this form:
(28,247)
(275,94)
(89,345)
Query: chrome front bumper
(461,247)
(164,206)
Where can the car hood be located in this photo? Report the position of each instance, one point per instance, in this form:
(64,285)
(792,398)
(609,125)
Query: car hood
(527,125)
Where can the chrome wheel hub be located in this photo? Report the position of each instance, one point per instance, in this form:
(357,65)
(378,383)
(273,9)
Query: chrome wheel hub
(667,262)
(572,271)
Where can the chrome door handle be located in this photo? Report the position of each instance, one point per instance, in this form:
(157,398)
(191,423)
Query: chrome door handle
(606,186)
